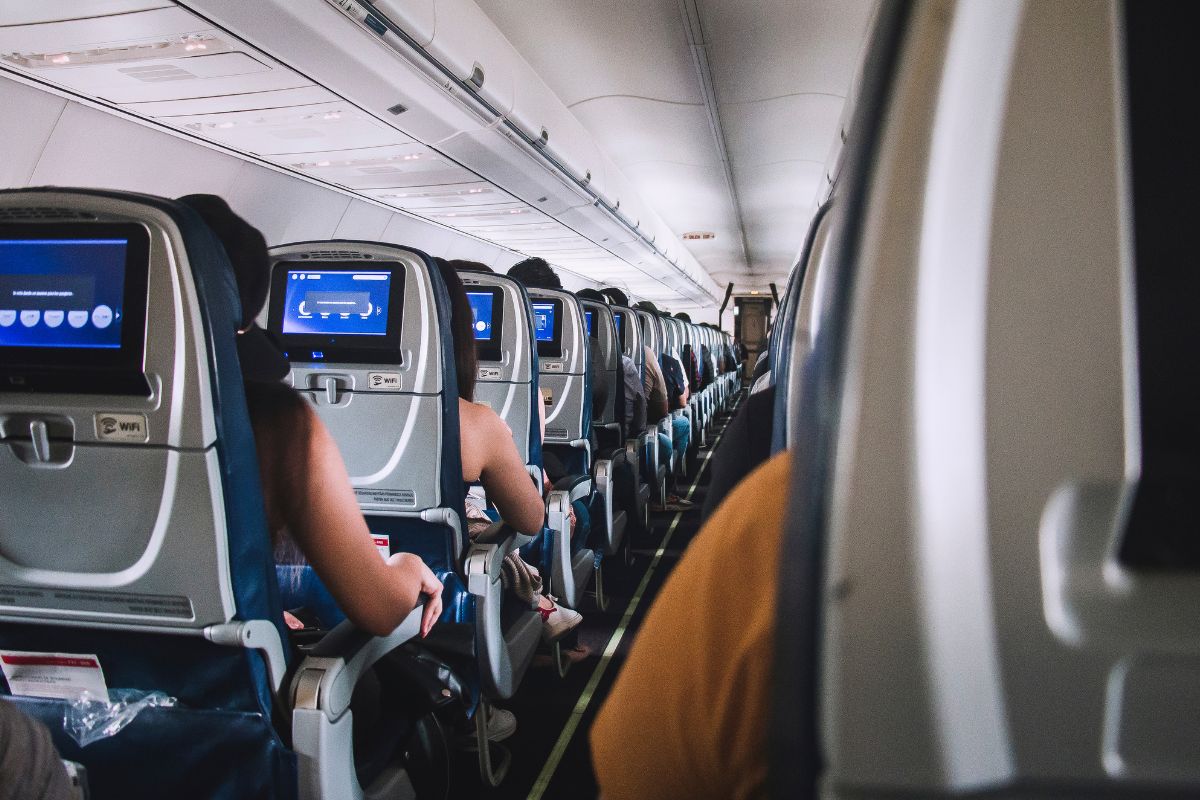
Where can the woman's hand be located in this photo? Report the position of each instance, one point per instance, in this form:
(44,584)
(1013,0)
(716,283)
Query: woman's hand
(431,586)
(416,570)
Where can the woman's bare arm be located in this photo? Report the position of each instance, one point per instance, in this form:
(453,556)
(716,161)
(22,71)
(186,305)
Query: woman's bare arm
(505,478)
(325,521)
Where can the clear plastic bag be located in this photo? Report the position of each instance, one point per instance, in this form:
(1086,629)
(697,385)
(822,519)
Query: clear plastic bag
(89,717)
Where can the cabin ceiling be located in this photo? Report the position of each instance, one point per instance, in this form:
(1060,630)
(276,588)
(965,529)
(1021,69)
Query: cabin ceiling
(665,116)
(780,71)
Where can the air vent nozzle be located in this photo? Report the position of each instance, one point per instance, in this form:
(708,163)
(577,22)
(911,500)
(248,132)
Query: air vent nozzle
(40,213)
(323,255)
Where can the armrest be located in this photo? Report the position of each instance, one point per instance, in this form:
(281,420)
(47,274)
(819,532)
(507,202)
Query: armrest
(326,679)
(498,532)
(577,486)
(483,562)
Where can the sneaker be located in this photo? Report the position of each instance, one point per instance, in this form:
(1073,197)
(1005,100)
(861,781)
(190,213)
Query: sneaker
(557,622)
(674,503)
(501,724)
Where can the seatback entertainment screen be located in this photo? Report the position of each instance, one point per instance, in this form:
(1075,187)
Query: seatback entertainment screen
(62,292)
(481,314)
(590,324)
(618,320)
(337,302)
(73,307)
(547,326)
(543,321)
(487,320)
(336,312)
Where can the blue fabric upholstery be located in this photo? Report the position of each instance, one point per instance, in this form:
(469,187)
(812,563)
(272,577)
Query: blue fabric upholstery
(206,678)
(453,492)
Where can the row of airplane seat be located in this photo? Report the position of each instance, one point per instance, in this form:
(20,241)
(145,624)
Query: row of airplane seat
(272,483)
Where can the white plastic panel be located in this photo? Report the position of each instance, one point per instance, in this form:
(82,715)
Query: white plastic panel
(284,208)
(147,56)
(282,98)
(496,159)
(91,148)
(538,108)
(420,199)
(465,38)
(303,129)
(417,18)
(379,168)
(25,134)
(18,13)
(363,221)
(379,172)
(505,215)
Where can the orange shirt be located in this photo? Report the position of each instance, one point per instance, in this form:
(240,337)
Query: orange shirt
(689,714)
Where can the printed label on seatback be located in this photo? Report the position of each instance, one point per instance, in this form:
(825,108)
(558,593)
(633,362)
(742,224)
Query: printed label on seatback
(489,373)
(112,427)
(54,675)
(396,497)
(383,381)
(552,366)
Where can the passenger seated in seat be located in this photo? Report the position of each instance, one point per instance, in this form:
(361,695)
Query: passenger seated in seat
(634,395)
(490,458)
(703,733)
(30,768)
(310,504)
(675,390)
(536,273)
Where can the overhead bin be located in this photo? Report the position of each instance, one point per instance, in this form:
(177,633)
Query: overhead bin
(494,157)
(417,18)
(472,47)
(542,116)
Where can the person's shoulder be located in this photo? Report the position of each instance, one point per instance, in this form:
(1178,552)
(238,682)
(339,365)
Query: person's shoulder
(759,502)
(481,418)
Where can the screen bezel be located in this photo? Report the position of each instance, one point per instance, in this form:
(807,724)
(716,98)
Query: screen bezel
(489,349)
(552,348)
(88,370)
(619,323)
(339,348)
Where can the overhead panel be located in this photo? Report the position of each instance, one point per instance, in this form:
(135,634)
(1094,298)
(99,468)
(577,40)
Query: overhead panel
(146,56)
(442,196)
(295,130)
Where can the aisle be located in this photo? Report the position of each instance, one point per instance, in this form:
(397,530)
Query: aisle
(550,750)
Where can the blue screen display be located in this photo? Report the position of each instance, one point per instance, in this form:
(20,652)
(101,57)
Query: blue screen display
(62,292)
(591,330)
(543,321)
(617,316)
(336,302)
(481,313)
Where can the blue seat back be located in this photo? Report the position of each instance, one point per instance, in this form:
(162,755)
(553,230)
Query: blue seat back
(564,360)
(383,382)
(133,527)
(507,381)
